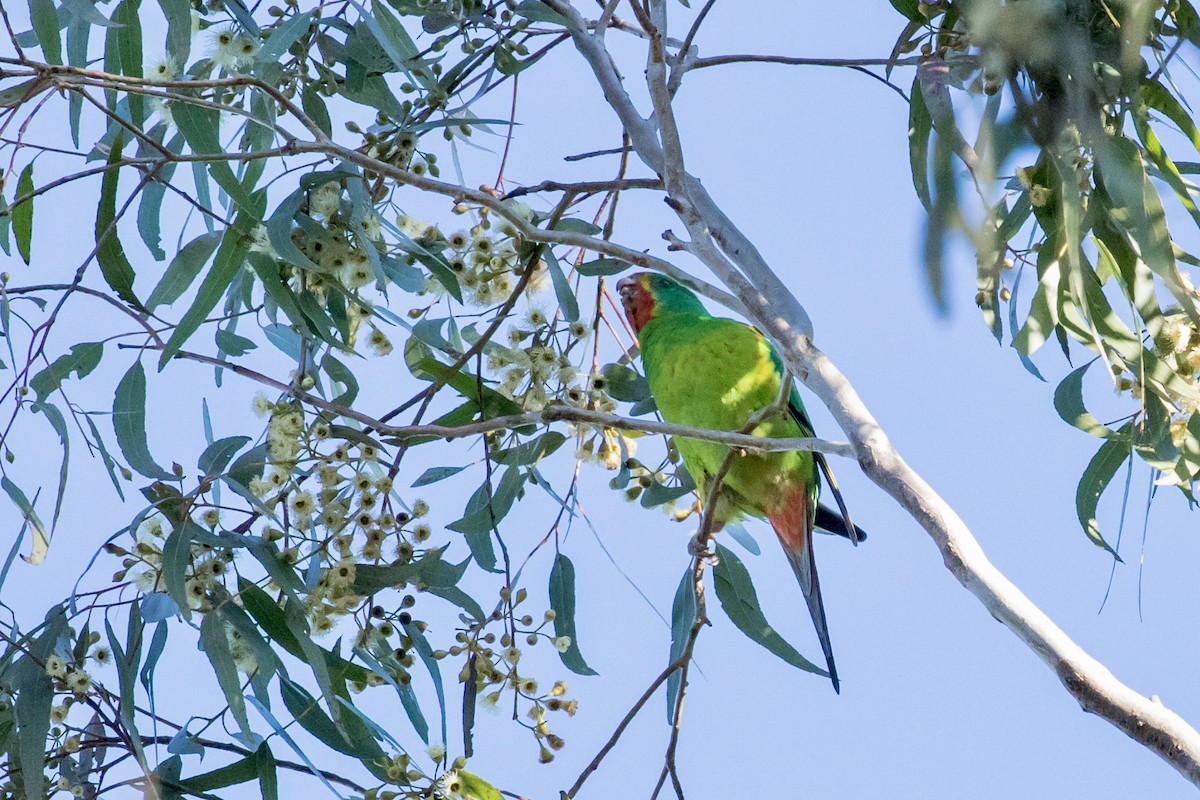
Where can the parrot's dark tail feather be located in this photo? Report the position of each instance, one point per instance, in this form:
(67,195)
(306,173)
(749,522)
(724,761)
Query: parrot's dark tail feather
(805,566)
(847,525)
(831,521)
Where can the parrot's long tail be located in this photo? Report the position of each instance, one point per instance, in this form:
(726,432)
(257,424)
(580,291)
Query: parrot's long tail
(793,526)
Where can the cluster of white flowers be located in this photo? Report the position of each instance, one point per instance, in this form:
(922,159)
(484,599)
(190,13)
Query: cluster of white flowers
(142,565)
(486,266)
(162,69)
(342,253)
(340,510)
(71,682)
(1178,345)
(233,50)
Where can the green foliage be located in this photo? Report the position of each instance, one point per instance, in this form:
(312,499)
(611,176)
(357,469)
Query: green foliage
(1079,191)
(291,531)
(279,162)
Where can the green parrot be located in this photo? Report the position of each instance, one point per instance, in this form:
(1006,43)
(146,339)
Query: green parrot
(716,373)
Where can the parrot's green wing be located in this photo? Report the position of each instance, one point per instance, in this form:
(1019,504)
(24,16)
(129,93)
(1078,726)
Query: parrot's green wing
(835,522)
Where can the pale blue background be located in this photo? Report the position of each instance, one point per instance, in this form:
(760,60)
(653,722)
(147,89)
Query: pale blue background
(937,700)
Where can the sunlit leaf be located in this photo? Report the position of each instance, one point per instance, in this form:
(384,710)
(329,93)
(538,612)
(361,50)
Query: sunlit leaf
(1095,479)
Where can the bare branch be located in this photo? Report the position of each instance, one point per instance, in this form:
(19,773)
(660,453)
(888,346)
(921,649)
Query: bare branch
(772,307)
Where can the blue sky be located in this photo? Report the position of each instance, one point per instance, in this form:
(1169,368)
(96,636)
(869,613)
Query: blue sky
(938,700)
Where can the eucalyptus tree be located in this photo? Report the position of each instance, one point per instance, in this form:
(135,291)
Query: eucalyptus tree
(257,202)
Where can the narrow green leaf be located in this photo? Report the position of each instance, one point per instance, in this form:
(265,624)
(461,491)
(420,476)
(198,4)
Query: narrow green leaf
(683,616)
(562,600)
(339,373)
(177,555)
(110,463)
(241,771)
(218,454)
(304,707)
(129,45)
(149,215)
(562,288)
(283,37)
(602,267)
(736,592)
(267,271)
(179,29)
(114,265)
(910,9)
(268,777)
(537,11)
(1068,402)
(126,660)
(1137,208)
(920,128)
(231,256)
(1095,479)
(232,344)
(44,17)
(314,106)
(59,423)
(22,214)
(200,126)
(1159,98)
(183,269)
(532,451)
(81,360)
(216,647)
(483,513)
(31,712)
(129,423)
(435,474)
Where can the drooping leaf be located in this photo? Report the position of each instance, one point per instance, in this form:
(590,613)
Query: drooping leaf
(81,360)
(35,695)
(183,269)
(231,256)
(22,213)
(562,600)
(41,536)
(1068,402)
(435,474)
(129,44)
(178,14)
(920,129)
(1095,479)
(110,254)
(683,616)
(129,423)
(200,126)
(216,647)
(562,287)
(736,592)
(44,17)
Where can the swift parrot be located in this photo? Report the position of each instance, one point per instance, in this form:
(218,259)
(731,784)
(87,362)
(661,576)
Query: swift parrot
(716,373)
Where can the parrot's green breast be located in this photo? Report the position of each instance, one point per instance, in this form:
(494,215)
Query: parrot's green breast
(709,372)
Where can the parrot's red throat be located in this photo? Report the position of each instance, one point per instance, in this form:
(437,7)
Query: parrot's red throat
(637,300)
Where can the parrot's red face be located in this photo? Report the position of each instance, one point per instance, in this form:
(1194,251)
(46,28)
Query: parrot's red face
(637,298)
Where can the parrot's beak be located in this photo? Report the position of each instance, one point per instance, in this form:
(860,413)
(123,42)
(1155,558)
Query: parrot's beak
(627,288)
